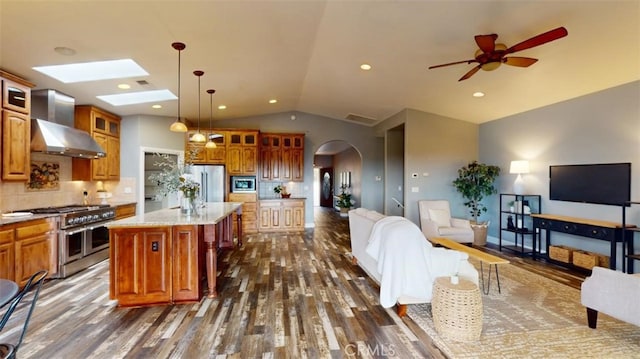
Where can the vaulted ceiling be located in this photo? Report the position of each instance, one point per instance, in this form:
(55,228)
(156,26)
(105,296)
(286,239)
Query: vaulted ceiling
(306,54)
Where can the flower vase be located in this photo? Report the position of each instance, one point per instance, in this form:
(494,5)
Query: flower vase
(188,206)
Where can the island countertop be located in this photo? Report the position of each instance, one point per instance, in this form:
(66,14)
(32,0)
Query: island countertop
(211,213)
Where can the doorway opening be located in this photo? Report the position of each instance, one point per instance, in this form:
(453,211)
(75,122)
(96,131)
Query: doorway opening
(337,167)
(149,198)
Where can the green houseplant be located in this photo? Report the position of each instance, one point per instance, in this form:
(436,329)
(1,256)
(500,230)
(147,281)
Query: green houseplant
(474,182)
(344,200)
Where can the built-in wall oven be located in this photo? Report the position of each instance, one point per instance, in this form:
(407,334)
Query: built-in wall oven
(83,238)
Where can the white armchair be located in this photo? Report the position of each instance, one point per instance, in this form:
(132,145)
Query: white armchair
(436,221)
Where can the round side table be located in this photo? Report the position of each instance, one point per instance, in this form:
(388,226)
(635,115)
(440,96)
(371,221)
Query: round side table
(457,309)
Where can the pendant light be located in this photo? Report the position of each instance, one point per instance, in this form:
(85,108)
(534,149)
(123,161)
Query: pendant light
(178,125)
(210,143)
(198,137)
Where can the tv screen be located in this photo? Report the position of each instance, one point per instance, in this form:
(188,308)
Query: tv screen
(608,183)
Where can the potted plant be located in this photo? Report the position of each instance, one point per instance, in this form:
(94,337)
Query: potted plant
(344,201)
(474,182)
(282,191)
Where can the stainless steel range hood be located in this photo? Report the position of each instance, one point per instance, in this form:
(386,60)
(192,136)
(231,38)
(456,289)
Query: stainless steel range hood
(52,129)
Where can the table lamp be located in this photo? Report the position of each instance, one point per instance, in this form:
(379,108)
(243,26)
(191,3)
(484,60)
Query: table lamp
(519,167)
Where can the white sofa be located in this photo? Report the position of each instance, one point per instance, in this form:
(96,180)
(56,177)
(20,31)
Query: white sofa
(613,293)
(361,225)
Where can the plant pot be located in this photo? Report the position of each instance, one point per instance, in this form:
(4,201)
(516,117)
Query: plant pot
(480,233)
(285,195)
(344,212)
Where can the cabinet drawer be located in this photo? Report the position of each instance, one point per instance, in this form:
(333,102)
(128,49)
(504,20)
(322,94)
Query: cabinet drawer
(6,236)
(242,197)
(33,229)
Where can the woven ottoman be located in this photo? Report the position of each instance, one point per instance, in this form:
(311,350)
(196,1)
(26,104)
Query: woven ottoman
(457,309)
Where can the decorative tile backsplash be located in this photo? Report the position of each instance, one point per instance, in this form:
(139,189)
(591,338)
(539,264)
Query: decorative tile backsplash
(16,196)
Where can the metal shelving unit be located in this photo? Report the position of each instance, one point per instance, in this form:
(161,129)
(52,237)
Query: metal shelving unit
(520,227)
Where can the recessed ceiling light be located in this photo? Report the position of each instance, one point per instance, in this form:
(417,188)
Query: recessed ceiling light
(133,98)
(156,106)
(365,67)
(273,101)
(222,107)
(92,71)
(478,94)
(124,86)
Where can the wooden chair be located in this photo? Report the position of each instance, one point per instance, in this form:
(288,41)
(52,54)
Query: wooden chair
(30,290)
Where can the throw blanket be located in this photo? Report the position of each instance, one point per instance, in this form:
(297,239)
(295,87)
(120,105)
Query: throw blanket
(407,262)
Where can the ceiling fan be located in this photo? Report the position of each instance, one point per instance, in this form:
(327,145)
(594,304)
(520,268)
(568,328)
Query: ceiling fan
(490,55)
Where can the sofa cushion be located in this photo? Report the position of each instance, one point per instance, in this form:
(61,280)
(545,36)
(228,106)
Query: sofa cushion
(440,216)
(448,231)
(374,215)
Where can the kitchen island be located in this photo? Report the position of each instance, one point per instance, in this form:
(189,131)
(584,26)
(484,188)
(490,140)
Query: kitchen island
(162,257)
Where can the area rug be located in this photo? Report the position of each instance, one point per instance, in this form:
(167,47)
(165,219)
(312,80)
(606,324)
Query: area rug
(535,317)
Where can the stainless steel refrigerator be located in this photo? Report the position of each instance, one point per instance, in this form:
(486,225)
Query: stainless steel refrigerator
(212,182)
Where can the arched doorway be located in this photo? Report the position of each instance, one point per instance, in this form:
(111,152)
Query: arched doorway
(336,163)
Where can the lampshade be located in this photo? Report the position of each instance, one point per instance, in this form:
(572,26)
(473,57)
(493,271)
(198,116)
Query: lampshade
(210,143)
(519,167)
(198,137)
(178,125)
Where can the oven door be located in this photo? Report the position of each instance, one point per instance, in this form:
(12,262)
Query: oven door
(71,243)
(96,238)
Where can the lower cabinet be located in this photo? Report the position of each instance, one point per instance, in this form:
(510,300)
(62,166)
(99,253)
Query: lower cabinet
(139,259)
(26,248)
(281,215)
(187,259)
(152,265)
(249,211)
(7,254)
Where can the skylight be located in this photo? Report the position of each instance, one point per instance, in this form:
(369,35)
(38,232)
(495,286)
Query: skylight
(133,98)
(92,71)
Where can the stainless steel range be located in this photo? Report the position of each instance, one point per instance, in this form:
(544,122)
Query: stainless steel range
(83,238)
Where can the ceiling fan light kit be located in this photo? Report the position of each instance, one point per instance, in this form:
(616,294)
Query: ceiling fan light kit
(491,55)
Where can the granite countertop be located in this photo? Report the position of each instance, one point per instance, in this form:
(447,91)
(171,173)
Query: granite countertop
(211,213)
(9,219)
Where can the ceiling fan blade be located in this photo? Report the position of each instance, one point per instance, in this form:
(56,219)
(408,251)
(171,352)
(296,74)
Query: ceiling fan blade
(453,63)
(538,40)
(486,43)
(470,73)
(519,61)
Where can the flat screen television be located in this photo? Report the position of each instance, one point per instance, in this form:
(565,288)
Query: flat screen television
(607,183)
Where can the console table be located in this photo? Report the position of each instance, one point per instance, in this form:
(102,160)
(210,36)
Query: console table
(590,228)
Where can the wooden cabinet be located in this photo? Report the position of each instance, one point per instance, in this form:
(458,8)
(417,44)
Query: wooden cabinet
(187,257)
(140,261)
(282,157)
(104,127)
(28,247)
(210,156)
(242,152)
(16,127)
(249,211)
(281,215)
(7,253)
(125,210)
(16,142)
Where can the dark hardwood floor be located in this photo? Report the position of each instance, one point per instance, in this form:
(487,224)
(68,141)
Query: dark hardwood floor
(282,295)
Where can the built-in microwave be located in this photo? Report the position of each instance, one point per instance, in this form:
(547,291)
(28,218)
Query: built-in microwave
(243,184)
